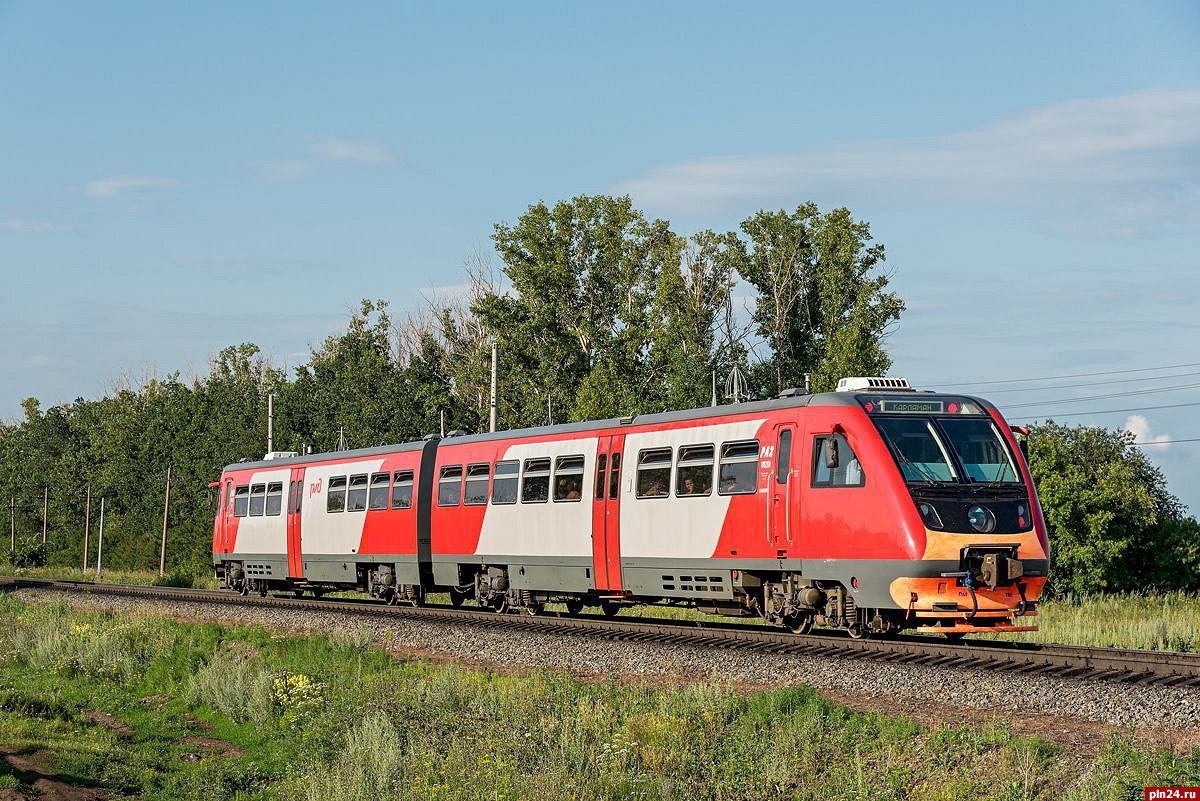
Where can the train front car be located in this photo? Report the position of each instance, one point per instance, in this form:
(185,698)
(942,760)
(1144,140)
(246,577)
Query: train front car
(971,521)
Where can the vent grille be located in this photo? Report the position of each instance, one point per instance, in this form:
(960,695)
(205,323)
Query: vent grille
(873,384)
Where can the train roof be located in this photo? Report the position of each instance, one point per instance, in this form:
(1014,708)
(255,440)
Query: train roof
(749,407)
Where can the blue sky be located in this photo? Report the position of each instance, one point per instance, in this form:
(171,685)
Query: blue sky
(177,179)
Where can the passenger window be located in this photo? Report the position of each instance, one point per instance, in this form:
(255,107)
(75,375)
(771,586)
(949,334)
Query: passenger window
(783,460)
(601,469)
(504,483)
(378,499)
(568,478)
(848,473)
(654,473)
(694,475)
(450,486)
(275,498)
(335,500)
(258,494)
(614,476)
(402,489)
(240,497)
(477,484)
(739,468)
(357,499)
(535,484)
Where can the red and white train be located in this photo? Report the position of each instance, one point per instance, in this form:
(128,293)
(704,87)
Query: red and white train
(874,508)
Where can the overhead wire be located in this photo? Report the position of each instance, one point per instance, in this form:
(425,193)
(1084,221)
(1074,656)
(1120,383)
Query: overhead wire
(1069,375)
(1109,411)
(1081,398)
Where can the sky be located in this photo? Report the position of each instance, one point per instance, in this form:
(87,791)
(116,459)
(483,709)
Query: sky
(174,179)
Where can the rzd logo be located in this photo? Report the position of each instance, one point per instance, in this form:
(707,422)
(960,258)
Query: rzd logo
(314,488)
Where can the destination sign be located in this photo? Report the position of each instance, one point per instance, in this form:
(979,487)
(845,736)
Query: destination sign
(912,406)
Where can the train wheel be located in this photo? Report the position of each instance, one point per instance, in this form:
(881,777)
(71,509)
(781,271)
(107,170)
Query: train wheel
(610,609)
(392,598)
(574,607)
(298,593)
(456,597)
(857,631)
(799,624)
(245,588)
(262,590)
(954,636)
(417,596)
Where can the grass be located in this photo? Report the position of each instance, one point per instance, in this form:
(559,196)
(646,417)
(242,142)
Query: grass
(176,578)
(1163,622)
(333,719)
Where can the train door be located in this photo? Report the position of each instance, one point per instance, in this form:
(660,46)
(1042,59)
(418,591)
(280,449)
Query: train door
(606,513)
(295,502)
(781,489)
(227,518)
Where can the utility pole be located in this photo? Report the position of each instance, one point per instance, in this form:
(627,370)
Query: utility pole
(442,417)
(45,505)
(714,388)
(492,411)
(12,523)
(162,554)
(549,411)
(87,522)
(341,446)
(270,428)
(100,551)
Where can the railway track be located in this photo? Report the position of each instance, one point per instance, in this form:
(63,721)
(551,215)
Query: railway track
(1117,665)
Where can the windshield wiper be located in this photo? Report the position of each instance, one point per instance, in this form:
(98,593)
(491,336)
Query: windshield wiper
(929,478)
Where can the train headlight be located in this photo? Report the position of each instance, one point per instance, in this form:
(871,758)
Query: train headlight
(929,515)
(981,519)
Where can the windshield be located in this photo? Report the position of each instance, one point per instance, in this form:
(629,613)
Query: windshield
(918,449)
(980,450)
(923,449)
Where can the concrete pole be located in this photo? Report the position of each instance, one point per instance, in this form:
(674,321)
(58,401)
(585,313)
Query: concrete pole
(442,417)
(270,425)
(45,506)
(162,554)
(87,523)
(100,551)
(492,411)
(714,387)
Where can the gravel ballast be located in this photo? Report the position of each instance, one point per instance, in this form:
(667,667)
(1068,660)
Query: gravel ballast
(1119,705)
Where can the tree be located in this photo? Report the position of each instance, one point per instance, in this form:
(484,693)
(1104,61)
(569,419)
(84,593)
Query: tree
(822,307)
(1112,523)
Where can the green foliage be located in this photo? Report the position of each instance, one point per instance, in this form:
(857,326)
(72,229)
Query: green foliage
(1113,524)
(29,553)
(822,305)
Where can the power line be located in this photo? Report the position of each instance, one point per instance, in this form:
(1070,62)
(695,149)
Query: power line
(1167,442)
(1101,397)
(1109,411)
(1071,375)
(1092,383)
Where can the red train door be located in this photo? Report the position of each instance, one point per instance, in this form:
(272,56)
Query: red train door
(227,519)
(606,513)
(295,498)
(780,489)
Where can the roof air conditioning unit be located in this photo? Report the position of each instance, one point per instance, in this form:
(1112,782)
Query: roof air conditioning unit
(273,455)
(873,384)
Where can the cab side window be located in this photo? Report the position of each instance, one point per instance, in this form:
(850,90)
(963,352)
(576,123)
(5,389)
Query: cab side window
(848,473)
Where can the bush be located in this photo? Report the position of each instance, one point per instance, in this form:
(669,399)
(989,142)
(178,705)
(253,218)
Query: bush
(29,554)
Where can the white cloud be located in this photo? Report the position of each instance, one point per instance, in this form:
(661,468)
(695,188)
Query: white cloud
(1140,427)
(356,150)
(122,184)
(283,169)
(1142,150)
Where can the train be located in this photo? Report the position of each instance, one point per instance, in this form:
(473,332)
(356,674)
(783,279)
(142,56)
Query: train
(875,508)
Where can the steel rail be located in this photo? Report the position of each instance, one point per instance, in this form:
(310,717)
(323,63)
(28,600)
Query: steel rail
(1120,665)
